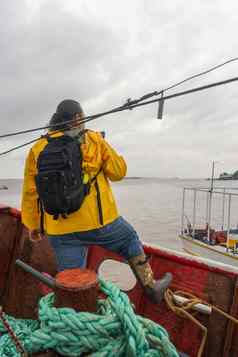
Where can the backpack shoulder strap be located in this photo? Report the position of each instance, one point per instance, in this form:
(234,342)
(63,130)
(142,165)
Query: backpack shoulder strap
(95,177)
(99,201)
(41,213)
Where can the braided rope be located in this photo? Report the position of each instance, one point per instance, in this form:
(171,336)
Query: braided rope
(114,331)
(11,334)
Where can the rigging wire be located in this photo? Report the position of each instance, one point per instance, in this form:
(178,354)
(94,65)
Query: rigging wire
(202,73)
(19,146)
(122,108)
(129,104)
(147,96)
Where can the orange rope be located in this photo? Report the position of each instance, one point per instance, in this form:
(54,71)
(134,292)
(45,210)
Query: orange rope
(183,311)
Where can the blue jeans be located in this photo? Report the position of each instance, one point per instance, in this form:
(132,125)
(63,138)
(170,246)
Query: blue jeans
(118,236)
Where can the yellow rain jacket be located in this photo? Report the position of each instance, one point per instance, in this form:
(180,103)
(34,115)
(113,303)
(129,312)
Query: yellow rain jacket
(97,154)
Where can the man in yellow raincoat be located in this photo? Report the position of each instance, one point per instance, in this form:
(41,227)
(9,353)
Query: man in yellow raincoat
(97,221)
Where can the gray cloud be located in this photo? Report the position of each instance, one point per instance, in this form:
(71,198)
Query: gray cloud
(103,54)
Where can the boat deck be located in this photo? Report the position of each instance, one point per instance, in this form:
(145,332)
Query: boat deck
(210,281)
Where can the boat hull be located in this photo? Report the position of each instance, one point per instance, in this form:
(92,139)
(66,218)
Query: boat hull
(201,249)
(213,282)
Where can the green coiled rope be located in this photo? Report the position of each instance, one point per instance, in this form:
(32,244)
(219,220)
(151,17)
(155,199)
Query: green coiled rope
(114,331)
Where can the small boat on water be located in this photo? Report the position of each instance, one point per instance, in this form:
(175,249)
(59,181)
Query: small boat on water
(209,223)
(194,327)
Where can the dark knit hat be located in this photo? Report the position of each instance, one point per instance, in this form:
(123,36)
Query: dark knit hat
(64,112)
(68,108)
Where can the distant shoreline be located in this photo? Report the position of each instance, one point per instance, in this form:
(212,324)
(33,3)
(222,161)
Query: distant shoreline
(4,181)
(4,187)
(222,179)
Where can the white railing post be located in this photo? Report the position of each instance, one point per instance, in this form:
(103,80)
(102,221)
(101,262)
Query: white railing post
(228,221)
(209,216)
(182,218)
(207,207)
(223,208)
(194,209)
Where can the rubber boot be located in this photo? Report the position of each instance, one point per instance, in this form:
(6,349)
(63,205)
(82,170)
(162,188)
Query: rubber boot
(154,289)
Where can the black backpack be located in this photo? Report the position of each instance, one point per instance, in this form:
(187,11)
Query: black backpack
(59,181)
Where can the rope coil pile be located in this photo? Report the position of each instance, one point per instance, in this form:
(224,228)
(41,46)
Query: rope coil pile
(114,331)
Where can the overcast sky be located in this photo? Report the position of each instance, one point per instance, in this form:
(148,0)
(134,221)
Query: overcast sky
(104,52)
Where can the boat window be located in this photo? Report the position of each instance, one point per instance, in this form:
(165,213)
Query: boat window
(118,273)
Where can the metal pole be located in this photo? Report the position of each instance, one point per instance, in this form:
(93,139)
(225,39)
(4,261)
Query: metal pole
(229,220)
(209,217)
(207,208)
(46,280)
(200,307)
(223,208)
(182,218)
(210,204)
(194,210)
(213,164)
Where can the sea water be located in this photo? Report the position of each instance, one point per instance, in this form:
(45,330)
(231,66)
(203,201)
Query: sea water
(153,206)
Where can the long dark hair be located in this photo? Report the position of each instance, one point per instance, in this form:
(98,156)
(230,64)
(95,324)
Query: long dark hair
(57,122)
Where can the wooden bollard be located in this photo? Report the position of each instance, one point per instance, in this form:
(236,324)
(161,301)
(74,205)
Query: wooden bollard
(77,289)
